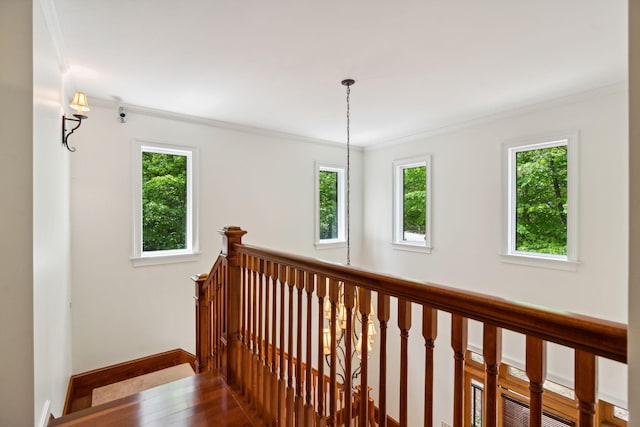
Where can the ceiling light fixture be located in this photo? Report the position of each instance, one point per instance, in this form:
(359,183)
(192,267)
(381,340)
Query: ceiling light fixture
(81,105)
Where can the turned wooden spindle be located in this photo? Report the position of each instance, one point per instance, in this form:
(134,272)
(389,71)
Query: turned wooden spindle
(429,332)
(334,291)
(585,387)
(492,353)
(384,310)
(364,303)
(273,367)
(321,292)
(299,403)
(404,323)
(291,272)
(459,342)
(309,282)
(536,361)
(349,303)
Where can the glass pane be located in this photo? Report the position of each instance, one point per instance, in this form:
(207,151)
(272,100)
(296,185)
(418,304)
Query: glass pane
(414,204)
(477,395)
(328,205)
(164,202)
(541,201)
(516,413)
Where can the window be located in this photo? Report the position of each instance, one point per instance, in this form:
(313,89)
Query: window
(542,200)
(412,203)
(164,217)
(331,205)
(513,410)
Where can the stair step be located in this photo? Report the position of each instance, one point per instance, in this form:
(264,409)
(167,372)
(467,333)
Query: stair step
(198,400)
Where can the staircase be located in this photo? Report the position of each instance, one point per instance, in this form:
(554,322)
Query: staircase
(199,400)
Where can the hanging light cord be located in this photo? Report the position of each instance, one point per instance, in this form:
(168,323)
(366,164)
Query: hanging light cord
(348,84)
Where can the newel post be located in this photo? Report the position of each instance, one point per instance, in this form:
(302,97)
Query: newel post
(202,324)
(230,236)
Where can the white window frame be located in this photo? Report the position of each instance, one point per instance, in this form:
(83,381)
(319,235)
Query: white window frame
(140,256)
(398,206)
(510,254)
(341,241)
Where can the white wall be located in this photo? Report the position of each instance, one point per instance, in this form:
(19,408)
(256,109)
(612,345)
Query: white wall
(467,228)
(51,229)
(634,211)
(259,182)
(16,244)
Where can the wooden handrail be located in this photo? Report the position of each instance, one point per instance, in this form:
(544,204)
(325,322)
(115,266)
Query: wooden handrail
(600,337)
(252,327)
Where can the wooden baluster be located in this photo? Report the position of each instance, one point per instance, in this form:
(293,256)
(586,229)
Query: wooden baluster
(256,348)
(282,275)
(243,326)
(429,332)
(585,384)
(404,323)
(383,317)
(273,366)
(364,301)
(492,353)
(221,291)
(299,398)
(459,328)
(261,338)
(248,338)
(216,313)
(537,373)
(334,291)
(290,392)
(248,326)
(266,384)
(321,291)
(308,410)
(349,302)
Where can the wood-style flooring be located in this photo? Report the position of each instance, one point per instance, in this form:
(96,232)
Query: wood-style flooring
(199,400)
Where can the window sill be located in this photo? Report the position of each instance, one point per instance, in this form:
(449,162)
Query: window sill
(142,261)
(409,247)
(331,245)
(542,262)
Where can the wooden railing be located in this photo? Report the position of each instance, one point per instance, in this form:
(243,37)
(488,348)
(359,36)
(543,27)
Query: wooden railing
(257,318)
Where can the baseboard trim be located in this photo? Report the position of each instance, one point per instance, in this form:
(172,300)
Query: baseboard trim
(44,415)
(81,385)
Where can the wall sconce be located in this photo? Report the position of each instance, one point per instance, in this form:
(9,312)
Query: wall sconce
(80,104)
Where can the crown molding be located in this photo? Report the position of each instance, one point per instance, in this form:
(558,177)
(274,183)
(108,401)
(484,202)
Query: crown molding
(513,112)
(53,24)
(186,118)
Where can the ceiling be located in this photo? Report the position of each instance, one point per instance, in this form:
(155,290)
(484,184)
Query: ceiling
(277,65)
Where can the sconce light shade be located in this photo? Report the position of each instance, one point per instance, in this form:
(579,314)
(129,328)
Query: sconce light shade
(81,105)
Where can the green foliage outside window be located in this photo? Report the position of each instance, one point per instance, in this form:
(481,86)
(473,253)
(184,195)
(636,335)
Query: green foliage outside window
(164,201)
(541,200)
(328,204)
(414,209)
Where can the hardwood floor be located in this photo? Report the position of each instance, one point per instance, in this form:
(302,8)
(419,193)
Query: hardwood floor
(200,400)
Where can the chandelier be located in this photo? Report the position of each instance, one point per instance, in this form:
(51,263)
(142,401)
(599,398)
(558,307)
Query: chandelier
(360,334)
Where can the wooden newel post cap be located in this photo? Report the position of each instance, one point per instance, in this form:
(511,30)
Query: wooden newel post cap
(230,235)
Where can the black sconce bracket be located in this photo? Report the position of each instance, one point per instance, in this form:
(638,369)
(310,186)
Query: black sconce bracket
(65,134)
